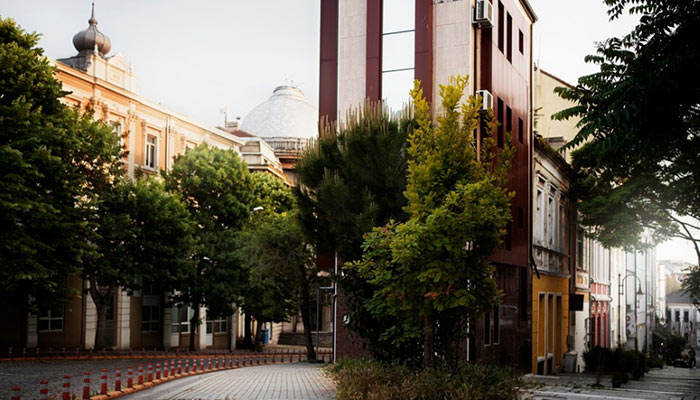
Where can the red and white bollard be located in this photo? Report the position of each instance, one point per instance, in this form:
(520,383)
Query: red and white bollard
(140,374)
(172,368)
(158,370)
(118,380)
(16,393)
(103,382)
(166,364)
(150,372)
(129,377)
(201,364)
(179,367)
(66,388)
(86,386)
(44,390)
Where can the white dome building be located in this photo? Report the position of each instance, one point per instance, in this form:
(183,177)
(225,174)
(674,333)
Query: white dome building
(287,122)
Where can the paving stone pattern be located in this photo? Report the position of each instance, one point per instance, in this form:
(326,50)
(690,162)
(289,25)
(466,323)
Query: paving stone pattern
(29,374)
(298,381)
(668,383)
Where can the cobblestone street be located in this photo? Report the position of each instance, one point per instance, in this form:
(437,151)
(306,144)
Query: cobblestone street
(282,381)
(668,383)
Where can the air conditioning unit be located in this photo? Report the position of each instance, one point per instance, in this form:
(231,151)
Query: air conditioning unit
(486,99)
(483,14)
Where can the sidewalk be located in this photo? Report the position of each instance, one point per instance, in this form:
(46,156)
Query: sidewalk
(668,383)
(282,381)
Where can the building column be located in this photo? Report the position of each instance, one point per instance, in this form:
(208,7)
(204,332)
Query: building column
(32,332)
(123,309)
(166,329)
(202,329)
(90,320)
(132,146)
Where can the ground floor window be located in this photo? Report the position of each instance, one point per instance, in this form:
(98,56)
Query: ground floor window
(51,320)
(217,326)
(150,319)
(180,319)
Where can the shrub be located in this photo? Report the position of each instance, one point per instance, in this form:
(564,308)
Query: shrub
(599,354)
(359,379)
(655,362)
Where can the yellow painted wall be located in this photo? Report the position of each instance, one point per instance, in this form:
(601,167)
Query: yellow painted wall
(547,284)
(547,103)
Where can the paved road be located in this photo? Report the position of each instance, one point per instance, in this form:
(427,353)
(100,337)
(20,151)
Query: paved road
(269,382)
(27,375)
(668,383)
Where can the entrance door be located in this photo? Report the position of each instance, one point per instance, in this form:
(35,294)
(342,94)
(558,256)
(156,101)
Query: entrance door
(210,333)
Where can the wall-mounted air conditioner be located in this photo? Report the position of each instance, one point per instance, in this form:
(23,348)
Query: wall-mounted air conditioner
(483,14)
(486,99)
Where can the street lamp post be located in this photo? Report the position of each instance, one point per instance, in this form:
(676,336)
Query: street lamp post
(318,311)
(620,286)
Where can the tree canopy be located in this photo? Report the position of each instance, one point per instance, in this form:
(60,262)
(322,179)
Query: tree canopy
(218,192)
(433,272)
(143,235)
(351,180)
(281,271)
(638,166)
(52,162)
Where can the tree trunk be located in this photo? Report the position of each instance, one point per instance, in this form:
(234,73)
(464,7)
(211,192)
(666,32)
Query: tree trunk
(428,351)
(305,304)
(99,297)
(247,339)
(256,336)
(194,325)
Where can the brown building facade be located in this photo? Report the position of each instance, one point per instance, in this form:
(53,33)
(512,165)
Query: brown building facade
(375,49)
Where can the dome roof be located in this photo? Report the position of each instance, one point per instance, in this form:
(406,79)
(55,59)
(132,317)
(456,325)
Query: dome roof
(286,114)
(86,40)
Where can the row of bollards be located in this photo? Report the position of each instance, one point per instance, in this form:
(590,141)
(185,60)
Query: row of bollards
(169,368)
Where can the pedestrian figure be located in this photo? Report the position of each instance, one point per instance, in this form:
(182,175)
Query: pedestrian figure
(691,356)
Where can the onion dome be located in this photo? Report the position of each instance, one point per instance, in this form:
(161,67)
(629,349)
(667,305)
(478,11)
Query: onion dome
(87,40)
(286,114)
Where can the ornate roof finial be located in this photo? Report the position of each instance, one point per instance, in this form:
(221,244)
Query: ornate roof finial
(87,40)
(93,21)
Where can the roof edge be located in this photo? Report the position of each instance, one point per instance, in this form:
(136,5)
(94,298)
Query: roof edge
(556,78)
(529,9)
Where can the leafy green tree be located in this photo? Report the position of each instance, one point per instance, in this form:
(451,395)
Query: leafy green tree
(350,182)
(218,192)
(52,162)
(271,194)
(434,272)
(281,272)
(638,167)
(143,235)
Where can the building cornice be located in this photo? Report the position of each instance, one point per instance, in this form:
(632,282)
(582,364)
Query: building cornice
(67,69)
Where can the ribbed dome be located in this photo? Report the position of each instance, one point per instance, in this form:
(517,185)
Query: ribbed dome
(86,40)
(286,114)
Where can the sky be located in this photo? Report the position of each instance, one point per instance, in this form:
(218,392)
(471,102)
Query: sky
(202,57)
